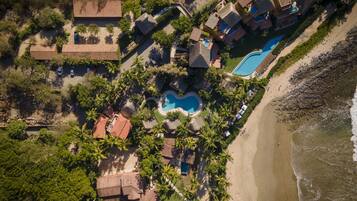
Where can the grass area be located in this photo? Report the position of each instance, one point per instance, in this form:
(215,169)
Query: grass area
(253,41)
(301,50)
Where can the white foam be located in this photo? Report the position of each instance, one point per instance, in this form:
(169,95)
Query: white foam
(354,125)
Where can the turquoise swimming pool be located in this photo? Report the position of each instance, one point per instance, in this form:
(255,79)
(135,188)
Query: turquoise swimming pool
(252,60)
(188,103)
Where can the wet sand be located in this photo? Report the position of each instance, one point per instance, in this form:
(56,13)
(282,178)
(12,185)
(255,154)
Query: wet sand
(273,173)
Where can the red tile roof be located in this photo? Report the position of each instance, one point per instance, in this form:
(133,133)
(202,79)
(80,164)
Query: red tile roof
(94,52)
(93,8)
(121,127)
(40,52)
(99,128)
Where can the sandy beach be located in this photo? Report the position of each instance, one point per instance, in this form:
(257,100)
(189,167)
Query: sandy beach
(261,167)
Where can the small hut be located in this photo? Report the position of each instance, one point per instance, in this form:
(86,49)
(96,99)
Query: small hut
(196,124)
(171,126)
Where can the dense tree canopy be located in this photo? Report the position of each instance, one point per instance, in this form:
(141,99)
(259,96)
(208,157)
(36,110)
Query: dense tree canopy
(31,171)
(182,24)
(49,19)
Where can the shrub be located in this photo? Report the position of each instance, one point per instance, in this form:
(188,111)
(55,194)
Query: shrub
(172,116)
(17,129)
(182,25)
(163,39)
(45,137)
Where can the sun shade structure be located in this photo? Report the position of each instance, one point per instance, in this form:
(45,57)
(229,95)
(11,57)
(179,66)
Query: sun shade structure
(125,184)
(100,127)
(121,127)
(97,9)
(145,23)
(95,52)
(200,56)
(172,125)
(45,53)
(196,124)
(229,14)
(150,124)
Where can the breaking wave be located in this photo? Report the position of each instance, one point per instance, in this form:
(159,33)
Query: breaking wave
(354,125)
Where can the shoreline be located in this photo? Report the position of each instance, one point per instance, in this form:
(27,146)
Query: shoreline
(253,149)
(272,163)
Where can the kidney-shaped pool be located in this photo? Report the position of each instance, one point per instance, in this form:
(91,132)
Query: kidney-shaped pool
(189,104)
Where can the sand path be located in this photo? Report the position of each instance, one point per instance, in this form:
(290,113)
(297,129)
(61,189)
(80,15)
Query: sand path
(260,149)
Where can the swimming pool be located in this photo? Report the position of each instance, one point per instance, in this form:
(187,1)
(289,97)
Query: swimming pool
(188,104)
(252,60)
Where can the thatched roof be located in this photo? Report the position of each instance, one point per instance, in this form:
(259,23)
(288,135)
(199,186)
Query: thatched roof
(169,152)
(146,23)
(107,52)
(126,184)
(229,14)
(195,34)
(149,124)
(172,125)
(98,9)
(200,56)
(100,127)
(196,124)
(128,109)
(212,21)
(40,52)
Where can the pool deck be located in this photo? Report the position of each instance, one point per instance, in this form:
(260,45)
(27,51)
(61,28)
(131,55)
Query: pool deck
(179,109)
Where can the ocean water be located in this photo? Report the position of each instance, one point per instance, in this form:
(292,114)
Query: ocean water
(322,158)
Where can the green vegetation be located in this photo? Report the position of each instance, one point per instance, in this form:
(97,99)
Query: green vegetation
(182,25)
(30,170)
(49,19)
(16,129)
(163,39)
(124,25)
(133,6)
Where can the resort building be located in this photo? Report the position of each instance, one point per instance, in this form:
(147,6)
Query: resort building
(120,126)
(200,56)
(224,25)
(145,23)
(107,52)
(99,129)
(43,53)
(257,13)
(286,13)
(124,185)
(97,9)
(182,159)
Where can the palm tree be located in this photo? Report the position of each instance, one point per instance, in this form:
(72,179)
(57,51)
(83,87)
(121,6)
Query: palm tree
(170,173)
(91,115)
(190,143)
(112,68)
(112,142)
